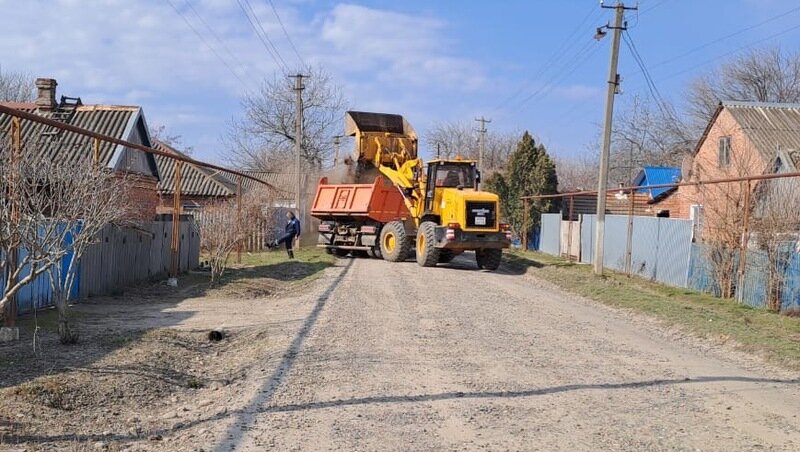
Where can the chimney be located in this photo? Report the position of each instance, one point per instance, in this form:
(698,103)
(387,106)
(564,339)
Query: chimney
(46,94)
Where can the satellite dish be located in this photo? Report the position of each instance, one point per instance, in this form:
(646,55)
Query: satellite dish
(687,167)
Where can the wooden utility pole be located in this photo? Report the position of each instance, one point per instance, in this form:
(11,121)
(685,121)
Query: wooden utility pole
(482,140)
(298,142)
(175,268)
(613,88)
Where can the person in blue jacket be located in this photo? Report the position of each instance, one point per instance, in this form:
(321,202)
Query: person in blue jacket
(291,232)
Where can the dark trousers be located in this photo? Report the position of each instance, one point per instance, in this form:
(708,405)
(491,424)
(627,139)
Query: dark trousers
(287,238)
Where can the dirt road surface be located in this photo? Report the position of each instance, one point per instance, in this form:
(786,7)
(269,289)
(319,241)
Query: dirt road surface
(371,355)
(396,357)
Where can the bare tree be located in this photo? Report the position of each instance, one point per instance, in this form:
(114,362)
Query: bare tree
(765,75)
(451,139)
(51,213)
(222,226)
(776,229)
(647,133)
(264,138)
(16,87)
(576,173)
(161,133)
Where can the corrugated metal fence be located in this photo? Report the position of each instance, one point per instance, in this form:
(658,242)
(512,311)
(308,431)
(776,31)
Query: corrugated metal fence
(660,247)
(122,257)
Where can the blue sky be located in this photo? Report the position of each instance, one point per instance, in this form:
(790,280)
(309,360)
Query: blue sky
(428,60)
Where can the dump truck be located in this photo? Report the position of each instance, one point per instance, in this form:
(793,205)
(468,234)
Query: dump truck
(398,205)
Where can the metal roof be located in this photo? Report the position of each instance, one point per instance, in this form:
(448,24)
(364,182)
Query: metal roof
(769,126)
(657,175)
(284,183)
(113,120)
(195,180)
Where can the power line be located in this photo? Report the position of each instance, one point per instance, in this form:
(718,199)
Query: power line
(586,52)
(723,38)
(289,38)
(255,24)
(651,86)
(210,47)
(214,34)
(566,45)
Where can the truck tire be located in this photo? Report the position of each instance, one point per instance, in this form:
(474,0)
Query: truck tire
(427,253)
(395,244)
(489,258)
(338,252)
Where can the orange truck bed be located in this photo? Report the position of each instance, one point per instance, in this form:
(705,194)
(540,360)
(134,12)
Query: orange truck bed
(379,201)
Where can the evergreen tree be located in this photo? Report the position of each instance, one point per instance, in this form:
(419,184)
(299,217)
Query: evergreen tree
(531,171)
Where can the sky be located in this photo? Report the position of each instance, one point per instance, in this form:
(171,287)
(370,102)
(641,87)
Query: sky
(525,64)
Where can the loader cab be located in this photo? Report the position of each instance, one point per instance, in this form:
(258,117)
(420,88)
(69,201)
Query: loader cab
(456,174)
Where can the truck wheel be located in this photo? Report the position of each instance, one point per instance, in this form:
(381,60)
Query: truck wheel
(395,244)
(427,253)
(489,258)
(338,252)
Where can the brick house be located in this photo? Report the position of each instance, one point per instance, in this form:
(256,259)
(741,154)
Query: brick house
(741,139)
(199,186)
(122,122)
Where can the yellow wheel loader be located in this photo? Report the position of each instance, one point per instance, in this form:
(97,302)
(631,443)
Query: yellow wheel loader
(435,209)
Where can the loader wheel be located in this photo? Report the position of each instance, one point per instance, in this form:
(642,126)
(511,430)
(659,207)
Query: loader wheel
(395,244)
(427,253)
(489,259)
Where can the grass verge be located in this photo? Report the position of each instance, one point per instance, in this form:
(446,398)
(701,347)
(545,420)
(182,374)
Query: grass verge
(774,336)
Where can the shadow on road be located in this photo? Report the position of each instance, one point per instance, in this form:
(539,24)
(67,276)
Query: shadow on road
(244,417)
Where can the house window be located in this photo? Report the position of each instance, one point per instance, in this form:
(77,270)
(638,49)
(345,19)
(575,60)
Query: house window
(724,152)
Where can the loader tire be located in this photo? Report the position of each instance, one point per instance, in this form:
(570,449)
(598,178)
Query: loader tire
(395,243)
(489,258)
(427,253)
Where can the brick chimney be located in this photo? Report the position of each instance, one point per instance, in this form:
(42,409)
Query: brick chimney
(46,94)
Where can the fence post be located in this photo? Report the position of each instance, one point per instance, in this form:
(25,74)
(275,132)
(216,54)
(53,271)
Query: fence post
(743,246)
(525,215)
(176,225)
(96,151)
(239,220)
(569,229)
(10,317)
(629,243)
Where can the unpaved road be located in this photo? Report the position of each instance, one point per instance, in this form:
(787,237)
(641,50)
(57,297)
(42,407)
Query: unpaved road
(395,357)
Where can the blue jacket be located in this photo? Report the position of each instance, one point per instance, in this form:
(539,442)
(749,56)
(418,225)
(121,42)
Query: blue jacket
(293,227)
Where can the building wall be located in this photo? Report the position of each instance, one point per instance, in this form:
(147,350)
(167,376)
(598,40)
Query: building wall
(143,196)
(722,203)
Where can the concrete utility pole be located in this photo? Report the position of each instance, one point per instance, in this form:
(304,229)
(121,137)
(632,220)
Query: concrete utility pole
(298,141)
(337,140)
(482,138)
(613,88)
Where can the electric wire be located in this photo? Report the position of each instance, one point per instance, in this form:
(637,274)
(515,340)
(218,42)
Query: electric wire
(255,24)
(286,33)
(207,44)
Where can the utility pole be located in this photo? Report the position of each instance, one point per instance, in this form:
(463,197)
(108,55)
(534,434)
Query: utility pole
(298,142)
(613,88)
(337,140)
(482,140)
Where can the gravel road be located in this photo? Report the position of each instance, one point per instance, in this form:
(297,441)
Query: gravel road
(397,357)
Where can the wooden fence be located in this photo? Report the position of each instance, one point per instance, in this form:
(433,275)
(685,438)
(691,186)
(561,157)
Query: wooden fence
(124,256)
